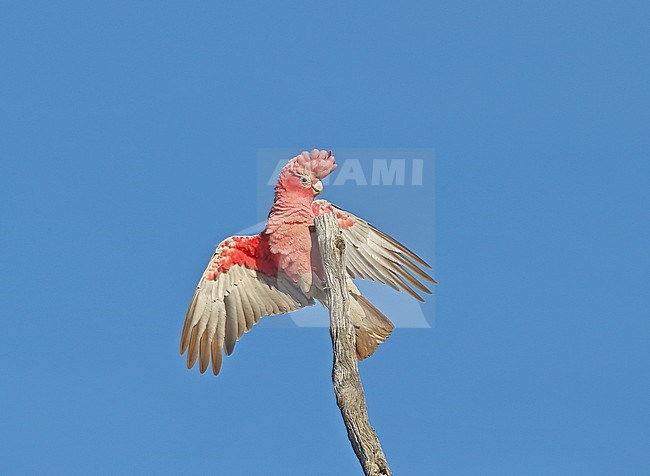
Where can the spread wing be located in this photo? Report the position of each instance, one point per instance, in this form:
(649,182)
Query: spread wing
(374,255)
(227,305)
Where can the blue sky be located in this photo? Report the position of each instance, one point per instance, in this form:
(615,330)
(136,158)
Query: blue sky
(129,145)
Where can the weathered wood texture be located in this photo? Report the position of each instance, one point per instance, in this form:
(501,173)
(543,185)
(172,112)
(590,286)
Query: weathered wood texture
(345,373)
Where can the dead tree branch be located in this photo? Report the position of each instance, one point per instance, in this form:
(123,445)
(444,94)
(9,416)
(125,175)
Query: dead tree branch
(345,373)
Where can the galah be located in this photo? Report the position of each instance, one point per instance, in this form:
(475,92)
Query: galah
(280,270)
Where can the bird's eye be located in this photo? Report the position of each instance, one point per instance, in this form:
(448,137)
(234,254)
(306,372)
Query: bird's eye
(304,180)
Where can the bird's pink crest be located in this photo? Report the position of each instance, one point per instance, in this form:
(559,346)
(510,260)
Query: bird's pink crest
(317,165)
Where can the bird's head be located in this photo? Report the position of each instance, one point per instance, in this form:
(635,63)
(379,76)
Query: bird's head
(303,174)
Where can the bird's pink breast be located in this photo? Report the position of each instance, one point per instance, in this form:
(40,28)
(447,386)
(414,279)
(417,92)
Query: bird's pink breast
(291,246)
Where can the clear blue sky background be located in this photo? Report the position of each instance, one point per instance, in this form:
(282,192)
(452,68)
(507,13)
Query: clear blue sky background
(128,138)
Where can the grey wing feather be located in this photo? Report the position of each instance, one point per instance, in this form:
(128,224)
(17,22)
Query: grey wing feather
(222,310)
(374,255)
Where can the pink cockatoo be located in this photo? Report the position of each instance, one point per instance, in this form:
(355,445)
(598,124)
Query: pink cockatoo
(280,270)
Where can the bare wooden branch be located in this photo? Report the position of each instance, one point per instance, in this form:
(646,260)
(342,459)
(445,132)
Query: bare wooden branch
(345,373)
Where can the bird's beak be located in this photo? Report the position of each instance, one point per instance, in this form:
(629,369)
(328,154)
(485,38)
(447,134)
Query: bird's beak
(318,187)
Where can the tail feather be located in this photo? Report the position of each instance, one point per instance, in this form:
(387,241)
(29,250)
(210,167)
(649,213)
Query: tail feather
(372,326)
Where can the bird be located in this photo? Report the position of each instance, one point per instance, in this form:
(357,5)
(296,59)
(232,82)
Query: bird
(279,270)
